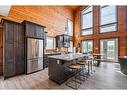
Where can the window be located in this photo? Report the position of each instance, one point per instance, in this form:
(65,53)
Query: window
(87,46)
(87,21)
(69,27)
(70,49)
(50,43)
(108,19)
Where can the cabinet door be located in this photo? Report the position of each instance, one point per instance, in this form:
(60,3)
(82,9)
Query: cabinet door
(19,49)
(9,62)
(59,41)
(18,34)
(30,30)
(21,35)
(45,39)
(9,66)
(19,59)
(13,52)
(39,32)
(9,32)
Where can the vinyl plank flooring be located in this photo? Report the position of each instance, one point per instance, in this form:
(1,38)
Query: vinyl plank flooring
(38,82)
(17,83)
(23,82)
(107,76)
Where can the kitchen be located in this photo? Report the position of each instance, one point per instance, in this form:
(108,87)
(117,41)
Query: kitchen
(38,43)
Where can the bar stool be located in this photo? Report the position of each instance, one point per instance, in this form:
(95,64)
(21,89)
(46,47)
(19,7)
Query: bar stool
(83,72)
(89,63)
(75,70)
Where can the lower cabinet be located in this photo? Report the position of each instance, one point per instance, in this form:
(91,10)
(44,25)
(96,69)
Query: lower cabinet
(9,69)
(46,59)
(59,73)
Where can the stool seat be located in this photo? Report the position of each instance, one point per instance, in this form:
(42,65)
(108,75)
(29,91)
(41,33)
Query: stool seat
(97,59)
(74,66)
(81,63)
(74,82)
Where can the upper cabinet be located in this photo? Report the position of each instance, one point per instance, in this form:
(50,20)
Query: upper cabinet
(33,30)
(59,41)
(45,39)
(63,41)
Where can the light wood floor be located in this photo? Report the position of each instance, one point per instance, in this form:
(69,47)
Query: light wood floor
(107,76)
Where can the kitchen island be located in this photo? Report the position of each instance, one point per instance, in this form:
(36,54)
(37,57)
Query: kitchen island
(58,70)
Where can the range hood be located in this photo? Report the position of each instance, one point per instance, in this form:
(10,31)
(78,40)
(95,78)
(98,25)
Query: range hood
(4,10)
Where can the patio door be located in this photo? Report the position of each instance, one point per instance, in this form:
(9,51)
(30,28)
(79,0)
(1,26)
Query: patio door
(109,47)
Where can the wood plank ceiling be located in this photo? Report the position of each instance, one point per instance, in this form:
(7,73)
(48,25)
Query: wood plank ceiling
(53,17)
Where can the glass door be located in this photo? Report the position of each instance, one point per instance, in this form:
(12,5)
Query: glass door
(87,46)
(109,47)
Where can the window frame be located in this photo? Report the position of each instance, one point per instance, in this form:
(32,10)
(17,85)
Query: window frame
(108,23)
(54,44)
(88,41)
(81,33)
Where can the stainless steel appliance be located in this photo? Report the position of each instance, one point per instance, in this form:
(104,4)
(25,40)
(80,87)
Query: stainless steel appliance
(34,55)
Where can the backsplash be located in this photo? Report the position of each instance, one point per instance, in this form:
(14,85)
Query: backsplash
(56,50)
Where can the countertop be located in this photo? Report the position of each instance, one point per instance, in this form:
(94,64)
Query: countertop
(67,57)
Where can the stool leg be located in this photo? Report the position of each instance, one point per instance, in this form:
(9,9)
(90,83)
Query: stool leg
(77,84)
(83,73)
(91,67)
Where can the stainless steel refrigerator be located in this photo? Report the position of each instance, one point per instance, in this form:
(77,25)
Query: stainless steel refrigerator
(34,55)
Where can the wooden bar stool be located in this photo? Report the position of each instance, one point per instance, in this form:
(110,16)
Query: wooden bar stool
(74,83)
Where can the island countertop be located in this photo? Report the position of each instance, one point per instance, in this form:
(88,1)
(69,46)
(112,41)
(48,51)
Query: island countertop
(67,57)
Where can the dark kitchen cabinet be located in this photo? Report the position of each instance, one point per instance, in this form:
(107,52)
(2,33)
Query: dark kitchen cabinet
(45,39)
(13,43)
(59,41)
(33,30)
(46,59)
(9,60)
(30,29)
(39,32)
(63,41)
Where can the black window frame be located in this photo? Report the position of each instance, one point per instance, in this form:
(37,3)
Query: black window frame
(109,23)
(92,11)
